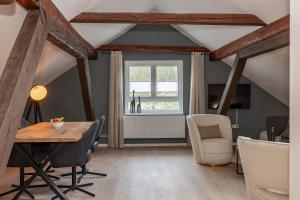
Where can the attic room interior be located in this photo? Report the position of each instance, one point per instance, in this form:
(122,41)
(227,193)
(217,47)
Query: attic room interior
(146,100)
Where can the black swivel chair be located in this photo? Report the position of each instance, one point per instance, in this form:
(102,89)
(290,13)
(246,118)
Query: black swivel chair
(84,169)
(75,154)
(17,160)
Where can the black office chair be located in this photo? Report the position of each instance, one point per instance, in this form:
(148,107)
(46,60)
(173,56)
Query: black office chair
(75,154)
(84,170)
(17,160)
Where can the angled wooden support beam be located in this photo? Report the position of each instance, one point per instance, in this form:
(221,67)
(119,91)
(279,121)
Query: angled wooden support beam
(279,41)
(232,84)
(264,33)
(170,18)
(6,2)
(152,48)
(17,79)
(29,4)
(86,88)
(64,39)
(52,12)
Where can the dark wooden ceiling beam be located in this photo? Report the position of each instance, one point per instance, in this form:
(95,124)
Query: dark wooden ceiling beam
(29,4)
(152,48)
(265,46)
(86,88)
(264,33)
(64,39)
(232,84)
(6,2)
(170,18)
(51,10)
(17,79)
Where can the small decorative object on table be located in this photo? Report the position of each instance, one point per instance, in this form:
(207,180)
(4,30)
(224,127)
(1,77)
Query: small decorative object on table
(57,122)
(132,104)
(139,108)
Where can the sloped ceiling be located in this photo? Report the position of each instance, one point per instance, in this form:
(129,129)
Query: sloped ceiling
(269,71)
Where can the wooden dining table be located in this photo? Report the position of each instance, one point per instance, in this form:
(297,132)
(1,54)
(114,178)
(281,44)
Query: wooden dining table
(44,133)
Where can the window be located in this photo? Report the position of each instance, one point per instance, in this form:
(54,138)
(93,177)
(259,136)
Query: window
(158,83)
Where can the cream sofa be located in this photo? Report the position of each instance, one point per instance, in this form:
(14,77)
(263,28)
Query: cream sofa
(266,168)
(214,151)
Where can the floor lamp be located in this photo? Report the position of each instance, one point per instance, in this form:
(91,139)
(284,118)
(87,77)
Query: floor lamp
(37,94)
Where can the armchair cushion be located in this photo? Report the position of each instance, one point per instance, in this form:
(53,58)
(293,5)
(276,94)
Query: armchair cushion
(207,132)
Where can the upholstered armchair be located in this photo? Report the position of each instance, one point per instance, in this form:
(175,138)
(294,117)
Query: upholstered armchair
(266,168)
(212,151)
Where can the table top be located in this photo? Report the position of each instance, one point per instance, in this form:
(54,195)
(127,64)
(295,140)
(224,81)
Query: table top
(44,132)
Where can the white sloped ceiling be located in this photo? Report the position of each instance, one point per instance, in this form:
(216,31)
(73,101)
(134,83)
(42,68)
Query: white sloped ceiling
(269,71)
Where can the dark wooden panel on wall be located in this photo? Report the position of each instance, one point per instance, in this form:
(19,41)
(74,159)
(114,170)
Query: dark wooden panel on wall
(264,33)
(86,88)
(152,48)
(17,78)
(232,83)
(170,18)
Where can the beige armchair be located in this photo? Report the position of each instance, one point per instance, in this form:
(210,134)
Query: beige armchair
(213,151)
(266,168)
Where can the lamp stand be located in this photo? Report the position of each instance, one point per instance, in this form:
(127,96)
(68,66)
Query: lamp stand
(36,111)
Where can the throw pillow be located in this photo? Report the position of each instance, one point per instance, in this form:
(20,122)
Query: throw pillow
(207,132)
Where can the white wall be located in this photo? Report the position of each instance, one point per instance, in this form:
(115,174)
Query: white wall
(295,101)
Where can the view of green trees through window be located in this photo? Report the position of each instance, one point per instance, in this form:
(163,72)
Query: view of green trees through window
(157,85)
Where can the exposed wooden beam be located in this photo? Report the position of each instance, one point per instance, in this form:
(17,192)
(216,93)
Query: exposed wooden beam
(264,33)
(64,39)
(17,78)
(265,46)
(6,2)
(169,18)
(86,88)
(28,4)
(51,10)
(232,84)
(153,48)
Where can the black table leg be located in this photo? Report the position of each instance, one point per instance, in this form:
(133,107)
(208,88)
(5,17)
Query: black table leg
(39,169)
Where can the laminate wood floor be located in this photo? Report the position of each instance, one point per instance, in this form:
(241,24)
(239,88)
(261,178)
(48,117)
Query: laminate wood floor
(148,173)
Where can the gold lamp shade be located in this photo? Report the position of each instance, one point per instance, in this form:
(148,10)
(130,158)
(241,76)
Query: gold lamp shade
(38,92)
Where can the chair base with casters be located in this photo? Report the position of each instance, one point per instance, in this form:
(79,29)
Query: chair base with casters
(19,187)
(84,171)
(74,186)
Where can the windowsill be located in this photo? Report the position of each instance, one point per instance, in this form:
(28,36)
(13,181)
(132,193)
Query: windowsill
(154,114)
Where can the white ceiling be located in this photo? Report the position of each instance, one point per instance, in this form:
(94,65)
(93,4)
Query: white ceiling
(269,71)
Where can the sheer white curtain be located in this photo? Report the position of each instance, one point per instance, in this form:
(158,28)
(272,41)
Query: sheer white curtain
(197,89)
(116,112)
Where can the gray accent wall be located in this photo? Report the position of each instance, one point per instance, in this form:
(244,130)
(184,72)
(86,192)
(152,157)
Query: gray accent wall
(64,95)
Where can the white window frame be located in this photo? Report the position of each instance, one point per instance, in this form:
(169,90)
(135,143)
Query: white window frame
(153,64)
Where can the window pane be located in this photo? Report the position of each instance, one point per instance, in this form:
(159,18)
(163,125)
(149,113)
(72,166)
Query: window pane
(140,81)
(142,89)
(167,81)
(167,73)
(140,73)
(152,107)
(167,89)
